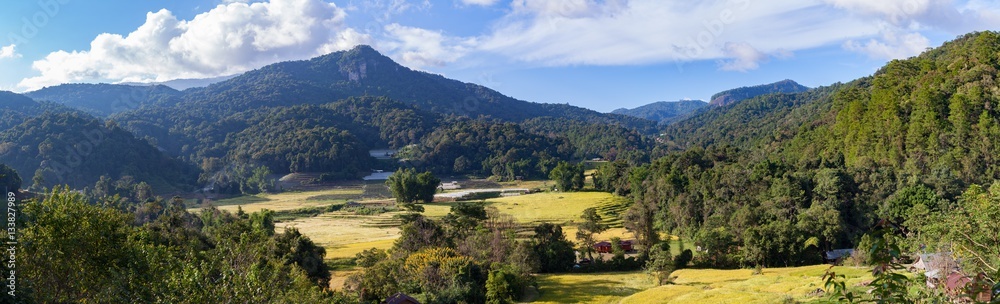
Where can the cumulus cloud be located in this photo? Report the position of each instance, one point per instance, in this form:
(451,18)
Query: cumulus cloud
(229,39)
(744,57)
(9,52)
(417,47)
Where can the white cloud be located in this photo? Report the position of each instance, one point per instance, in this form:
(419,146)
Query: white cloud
(618,32)
(744,57)
(418,47)
(891,46)
(228,39)
(480,2)
(9,52)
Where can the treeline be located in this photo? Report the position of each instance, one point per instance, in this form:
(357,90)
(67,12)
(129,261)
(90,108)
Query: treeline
(597,140)
(502,150)
(72,250)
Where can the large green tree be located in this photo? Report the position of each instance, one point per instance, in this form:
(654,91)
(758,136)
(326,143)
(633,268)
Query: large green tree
(568,177)
(408,186)
(591,224)
(9,179)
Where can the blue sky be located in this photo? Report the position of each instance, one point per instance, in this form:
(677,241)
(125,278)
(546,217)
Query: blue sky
(599,54)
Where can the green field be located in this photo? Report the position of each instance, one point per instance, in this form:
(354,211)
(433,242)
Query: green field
(591,287)
(287,200)
(775,285)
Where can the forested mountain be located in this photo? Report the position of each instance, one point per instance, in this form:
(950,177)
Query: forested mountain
(750,123)
(362,71)
(664,112)
(732,96)
(104,99)
(76,149)
(775,179)
(15,108)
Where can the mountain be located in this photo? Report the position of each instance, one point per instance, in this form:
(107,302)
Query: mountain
(735,95)
(664,111)
(104,99)
(931,116)
(16,108)
(184,84)
(362,71)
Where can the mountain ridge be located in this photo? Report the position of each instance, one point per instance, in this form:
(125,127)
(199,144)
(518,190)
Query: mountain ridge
(735,95)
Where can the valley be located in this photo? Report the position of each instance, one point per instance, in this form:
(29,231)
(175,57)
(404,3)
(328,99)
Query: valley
(349,177)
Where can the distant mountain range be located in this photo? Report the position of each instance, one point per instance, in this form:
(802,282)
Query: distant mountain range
(184,84)
(729,97)
(104,99)
(664,111)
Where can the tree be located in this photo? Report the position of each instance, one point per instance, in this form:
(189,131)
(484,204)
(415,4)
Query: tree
(409,187)
(591,225)
(295,248)
(555,253)
(568,177)
(9,179)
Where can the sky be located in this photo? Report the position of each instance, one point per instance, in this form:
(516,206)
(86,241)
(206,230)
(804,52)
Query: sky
(598,54)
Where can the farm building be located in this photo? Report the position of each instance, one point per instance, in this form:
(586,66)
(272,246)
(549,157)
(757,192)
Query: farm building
(605,246)
(837,255)
(450,186)
(400,298)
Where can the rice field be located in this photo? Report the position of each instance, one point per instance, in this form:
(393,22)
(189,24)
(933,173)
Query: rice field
(344,235)
(286,200)
(591,287)
(775,285)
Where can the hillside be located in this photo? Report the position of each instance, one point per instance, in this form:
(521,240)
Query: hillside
(732,96)
(362,71)
(764,178)
(104,99)
(664,112)
(76,149)
(15,108)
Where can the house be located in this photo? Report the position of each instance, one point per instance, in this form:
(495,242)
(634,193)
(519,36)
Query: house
(936,267)
(603,247)
(837,255)
(450,186)
(627,246)
(958,285)
(400,298)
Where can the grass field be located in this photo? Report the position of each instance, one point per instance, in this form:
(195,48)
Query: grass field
(591,287)
(775,285)
(287,200)
(344,235)
(553,207)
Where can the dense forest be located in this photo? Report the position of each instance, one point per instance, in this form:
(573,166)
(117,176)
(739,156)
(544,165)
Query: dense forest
(818,169)
(104,99)
(75,149)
